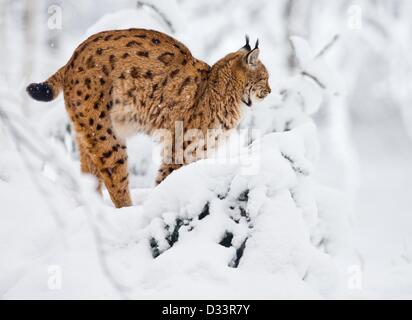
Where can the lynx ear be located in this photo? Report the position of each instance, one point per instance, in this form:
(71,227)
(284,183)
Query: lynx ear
(252,57)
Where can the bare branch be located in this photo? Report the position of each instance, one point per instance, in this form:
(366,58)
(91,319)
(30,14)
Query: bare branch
(314,78)
(22,136)
(162,15)
(327,47)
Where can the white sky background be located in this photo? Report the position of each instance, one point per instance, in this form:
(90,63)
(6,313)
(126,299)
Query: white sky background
(366,143)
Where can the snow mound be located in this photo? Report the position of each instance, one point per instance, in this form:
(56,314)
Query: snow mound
(213,229)
(232,234)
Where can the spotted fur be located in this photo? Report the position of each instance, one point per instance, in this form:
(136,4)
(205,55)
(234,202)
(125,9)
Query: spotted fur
(118,83)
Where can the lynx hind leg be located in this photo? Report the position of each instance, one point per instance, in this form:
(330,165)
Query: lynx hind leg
(110,159)
(87,165)
(89,105)
(107,153)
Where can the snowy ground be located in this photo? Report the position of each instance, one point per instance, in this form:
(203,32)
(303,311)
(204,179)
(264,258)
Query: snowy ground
(244,232)
(42,261)
(212,230)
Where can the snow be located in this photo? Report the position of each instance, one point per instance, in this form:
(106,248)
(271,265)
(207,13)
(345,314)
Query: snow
(237,224)
(253,216)
(310,200)
(184,234)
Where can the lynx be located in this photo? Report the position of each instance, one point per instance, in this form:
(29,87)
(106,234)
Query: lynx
(118,83)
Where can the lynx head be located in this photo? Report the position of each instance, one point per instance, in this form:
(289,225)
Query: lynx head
(255,74)
(245,72)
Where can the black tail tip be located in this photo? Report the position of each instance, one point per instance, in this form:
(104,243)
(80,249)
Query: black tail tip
(40,91)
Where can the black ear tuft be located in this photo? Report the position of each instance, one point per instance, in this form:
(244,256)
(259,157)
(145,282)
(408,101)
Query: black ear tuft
(247,45)
(40,91)
(257,44)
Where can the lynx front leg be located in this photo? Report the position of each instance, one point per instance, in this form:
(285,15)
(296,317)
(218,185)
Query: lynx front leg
(172,158)
(165,170)
(176,155)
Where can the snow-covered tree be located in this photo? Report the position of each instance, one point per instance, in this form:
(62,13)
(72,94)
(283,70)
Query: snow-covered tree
(271,220)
